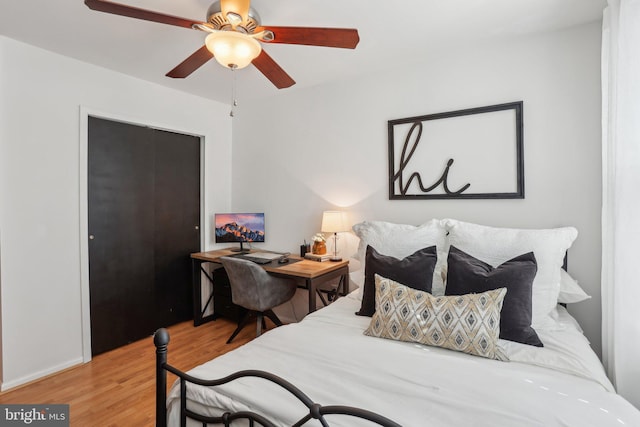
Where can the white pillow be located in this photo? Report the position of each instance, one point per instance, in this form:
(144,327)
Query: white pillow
(401,240)
(496,245)
(356,277)
(570,290)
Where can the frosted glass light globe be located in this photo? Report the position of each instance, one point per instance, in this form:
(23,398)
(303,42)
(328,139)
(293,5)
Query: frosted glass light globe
(232,49)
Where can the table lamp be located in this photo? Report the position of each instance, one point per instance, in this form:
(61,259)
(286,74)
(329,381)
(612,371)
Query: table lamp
(334,222)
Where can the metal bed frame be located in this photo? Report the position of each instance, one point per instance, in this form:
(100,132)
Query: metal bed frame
(315,410)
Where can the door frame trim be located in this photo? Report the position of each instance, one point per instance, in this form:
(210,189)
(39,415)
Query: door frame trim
(83,159)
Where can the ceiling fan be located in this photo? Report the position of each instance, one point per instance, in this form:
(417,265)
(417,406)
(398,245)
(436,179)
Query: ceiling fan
(234,34)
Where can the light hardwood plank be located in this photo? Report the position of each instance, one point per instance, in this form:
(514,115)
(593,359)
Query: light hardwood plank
(117,388)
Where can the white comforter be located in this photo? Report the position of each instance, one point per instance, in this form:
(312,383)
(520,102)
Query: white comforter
(328,357)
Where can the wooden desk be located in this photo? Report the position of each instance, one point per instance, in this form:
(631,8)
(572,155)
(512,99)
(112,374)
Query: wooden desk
(312,273)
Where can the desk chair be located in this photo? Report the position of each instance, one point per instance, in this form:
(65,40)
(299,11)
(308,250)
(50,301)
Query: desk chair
(257,291)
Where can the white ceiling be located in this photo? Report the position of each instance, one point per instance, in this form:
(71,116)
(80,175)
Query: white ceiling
(391,33)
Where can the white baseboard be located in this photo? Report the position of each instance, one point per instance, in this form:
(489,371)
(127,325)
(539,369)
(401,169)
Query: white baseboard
(6,385)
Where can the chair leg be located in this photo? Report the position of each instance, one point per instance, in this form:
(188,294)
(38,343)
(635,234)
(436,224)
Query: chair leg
(259,324)
(271,315)
(241,324)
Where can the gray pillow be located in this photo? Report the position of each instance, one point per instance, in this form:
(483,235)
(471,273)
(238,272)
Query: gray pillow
(467,274)
(414,271)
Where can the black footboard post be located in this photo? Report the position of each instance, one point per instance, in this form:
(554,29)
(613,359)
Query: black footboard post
(161,340)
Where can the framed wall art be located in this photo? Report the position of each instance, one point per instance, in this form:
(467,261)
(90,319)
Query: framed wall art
(475,153)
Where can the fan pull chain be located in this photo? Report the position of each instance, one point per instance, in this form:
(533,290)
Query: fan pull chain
(234,101)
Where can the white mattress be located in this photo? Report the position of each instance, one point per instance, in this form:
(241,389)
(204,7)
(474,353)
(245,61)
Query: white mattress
(328,357)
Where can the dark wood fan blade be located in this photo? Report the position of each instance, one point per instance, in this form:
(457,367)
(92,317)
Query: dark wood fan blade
(271,70)
(134,12)
(329,37)
(192,63)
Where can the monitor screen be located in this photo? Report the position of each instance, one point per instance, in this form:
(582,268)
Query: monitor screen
(239,227)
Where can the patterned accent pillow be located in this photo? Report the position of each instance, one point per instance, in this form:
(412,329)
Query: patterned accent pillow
(467,323)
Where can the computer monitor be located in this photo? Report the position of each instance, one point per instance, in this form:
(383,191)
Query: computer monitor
(239,228)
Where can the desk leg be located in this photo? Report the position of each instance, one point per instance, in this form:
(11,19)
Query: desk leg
(197,270)
(311,286)
(197,291)
(345,283)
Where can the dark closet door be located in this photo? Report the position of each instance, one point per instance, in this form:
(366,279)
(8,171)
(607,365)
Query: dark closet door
(177,218)
(144,210)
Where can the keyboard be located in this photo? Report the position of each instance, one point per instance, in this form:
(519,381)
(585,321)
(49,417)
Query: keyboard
(256,259)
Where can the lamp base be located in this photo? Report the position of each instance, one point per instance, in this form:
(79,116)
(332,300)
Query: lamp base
(335,259)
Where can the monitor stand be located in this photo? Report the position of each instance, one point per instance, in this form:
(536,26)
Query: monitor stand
(241,249)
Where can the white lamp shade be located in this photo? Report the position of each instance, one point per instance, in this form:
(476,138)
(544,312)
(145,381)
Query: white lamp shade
(334,222)
(232,49)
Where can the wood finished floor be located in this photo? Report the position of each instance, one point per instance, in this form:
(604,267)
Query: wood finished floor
(117,388)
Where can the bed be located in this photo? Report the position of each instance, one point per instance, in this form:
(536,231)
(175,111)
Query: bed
(399,382)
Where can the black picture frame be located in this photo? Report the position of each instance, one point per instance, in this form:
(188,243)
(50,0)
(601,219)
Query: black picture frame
(401,179)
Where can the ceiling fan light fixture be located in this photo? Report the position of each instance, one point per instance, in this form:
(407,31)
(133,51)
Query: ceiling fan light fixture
(232,49)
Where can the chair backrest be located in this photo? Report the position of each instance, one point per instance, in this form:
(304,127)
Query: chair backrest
(255,289)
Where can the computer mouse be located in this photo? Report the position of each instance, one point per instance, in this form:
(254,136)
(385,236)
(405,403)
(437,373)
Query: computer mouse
(283,260)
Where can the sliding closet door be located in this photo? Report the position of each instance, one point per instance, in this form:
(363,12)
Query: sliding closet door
(144,210)
(176,223)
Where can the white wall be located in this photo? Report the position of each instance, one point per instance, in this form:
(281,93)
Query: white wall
(325,147)
(42,95)
(3,168)
(294,156)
